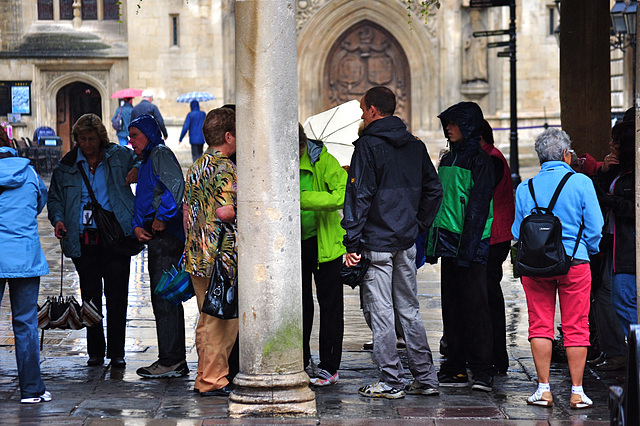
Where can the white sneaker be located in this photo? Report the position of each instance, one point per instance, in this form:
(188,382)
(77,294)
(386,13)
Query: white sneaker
(324,378)
(544,399)
(381,390)
(45,397)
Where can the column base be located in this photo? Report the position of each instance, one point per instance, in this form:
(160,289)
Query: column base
(267,395)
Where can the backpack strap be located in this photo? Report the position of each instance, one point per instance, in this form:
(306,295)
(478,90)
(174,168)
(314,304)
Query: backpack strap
(575,249)
(554,198)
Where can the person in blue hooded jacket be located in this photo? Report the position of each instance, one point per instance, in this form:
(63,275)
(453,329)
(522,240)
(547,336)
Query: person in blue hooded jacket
(23,195)
(157,222)
(193,124)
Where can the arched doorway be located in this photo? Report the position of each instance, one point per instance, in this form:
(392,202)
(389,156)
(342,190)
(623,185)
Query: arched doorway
(72,101)
(364,56)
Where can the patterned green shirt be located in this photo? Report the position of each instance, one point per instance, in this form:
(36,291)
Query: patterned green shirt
(211,183)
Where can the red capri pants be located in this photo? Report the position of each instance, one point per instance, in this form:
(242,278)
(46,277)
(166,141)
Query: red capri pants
(574,292)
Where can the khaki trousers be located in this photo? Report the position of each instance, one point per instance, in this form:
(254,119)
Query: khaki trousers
(214,340)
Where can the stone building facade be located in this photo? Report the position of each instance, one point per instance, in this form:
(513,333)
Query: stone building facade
(74,62)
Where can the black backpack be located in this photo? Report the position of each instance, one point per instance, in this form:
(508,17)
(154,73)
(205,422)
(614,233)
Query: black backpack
(540,252)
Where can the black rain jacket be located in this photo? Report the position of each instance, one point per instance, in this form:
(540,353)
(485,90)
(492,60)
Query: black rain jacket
(469,245)
(393,191)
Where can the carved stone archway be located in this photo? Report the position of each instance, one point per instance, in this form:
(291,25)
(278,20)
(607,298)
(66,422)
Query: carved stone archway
(364,56)
(323,26)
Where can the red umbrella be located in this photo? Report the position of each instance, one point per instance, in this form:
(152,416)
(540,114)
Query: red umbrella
(126,93)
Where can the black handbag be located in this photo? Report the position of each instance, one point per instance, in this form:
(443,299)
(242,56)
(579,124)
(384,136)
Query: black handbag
(221,298)
(111,232)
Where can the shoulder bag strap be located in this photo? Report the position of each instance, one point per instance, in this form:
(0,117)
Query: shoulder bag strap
(86,182)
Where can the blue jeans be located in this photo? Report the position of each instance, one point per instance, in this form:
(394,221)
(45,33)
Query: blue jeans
(24,308)
(623,297)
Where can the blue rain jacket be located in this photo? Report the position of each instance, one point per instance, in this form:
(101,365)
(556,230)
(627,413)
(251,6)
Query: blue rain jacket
(65,192)
(23,197)
(160,182)
(193,123)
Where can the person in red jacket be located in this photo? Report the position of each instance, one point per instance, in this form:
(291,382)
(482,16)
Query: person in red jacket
(503,213)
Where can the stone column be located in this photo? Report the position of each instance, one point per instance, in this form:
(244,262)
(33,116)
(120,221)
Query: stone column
(272,381)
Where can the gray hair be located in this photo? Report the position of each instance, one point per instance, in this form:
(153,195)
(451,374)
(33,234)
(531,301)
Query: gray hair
(551,144)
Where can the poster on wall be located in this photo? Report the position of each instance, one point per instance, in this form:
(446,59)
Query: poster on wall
(20,102)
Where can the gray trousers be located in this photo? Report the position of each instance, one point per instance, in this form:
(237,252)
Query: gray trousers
(391,283)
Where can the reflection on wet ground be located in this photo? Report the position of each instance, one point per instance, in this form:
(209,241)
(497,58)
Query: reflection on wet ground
(85,394)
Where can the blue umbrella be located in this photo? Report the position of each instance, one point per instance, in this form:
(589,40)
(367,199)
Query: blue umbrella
(196,96)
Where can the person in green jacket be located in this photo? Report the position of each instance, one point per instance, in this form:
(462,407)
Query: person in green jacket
(322,188)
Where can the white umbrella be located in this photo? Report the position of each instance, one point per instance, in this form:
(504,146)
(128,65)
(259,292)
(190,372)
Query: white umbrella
(337,128)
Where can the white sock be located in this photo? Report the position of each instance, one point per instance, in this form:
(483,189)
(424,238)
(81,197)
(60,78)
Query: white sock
(577,389)
(544,387)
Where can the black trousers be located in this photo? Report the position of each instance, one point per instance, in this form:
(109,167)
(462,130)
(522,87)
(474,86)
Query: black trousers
(165,250)
(497,255)
(97,266)
(466,318)
(330,300)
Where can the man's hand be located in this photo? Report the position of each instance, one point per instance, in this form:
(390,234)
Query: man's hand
(158,226)
(132,176)
(60,230)
(142,235)
(352,259)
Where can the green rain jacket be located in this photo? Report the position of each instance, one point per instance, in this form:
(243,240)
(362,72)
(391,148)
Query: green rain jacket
(326,199)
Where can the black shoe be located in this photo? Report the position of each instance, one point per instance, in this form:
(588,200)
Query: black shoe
(117,362)
(95,361)
(483,382)
(225,391)
(593,362)
(460,380)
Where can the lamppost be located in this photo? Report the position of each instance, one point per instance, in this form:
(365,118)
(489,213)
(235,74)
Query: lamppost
(623,30)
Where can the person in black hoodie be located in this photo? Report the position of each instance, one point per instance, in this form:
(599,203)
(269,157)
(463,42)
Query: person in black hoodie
(392,194)
(460,235)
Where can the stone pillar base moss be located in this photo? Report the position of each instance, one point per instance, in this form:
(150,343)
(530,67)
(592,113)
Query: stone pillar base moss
(267,395)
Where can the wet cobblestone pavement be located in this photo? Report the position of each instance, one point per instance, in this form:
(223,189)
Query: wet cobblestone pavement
(101,396)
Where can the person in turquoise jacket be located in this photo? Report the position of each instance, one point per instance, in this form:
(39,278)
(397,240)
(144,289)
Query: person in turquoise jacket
(22,197)
(322,188)
(99,267)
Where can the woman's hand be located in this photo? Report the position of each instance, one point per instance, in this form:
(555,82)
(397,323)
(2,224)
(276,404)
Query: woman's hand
(60,230)
(609,160)
(142,235)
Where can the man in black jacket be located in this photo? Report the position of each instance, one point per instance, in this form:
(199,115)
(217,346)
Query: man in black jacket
(393,193)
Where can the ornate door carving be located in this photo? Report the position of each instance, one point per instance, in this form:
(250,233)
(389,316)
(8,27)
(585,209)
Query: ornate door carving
(364,56)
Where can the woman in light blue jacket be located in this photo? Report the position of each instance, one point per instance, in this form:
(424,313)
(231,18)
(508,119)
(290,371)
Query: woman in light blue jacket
(22,197)
(106,166)
(576,204)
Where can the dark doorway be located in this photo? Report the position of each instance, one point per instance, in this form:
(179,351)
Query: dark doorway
(364,56)
(72,101)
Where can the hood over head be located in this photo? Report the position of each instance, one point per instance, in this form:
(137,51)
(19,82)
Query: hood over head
(390,128)
(149,126)
(195,106)
(14,170)
(314,149)
(467,115)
